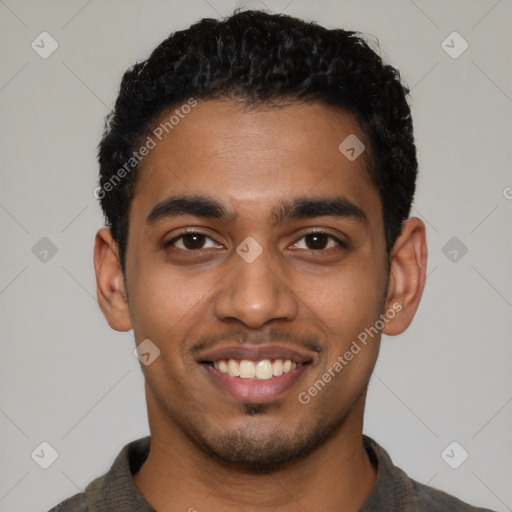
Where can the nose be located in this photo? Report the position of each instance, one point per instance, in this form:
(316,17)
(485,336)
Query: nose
(256,293)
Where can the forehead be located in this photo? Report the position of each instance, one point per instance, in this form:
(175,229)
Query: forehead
(254,158)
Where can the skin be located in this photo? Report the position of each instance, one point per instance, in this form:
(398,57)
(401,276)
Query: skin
(250,160)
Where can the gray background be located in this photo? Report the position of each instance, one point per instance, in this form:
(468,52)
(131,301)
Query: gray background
(67,379)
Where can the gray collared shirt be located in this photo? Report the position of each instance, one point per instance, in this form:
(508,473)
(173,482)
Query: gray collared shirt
(393,491)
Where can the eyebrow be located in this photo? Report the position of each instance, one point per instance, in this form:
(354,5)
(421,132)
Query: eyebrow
(310,207)
(297,208)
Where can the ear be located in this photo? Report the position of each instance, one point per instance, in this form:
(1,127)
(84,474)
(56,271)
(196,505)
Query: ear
(112,297)
(407,275)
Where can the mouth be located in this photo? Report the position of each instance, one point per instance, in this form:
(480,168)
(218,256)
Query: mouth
(255,374)
(264,369)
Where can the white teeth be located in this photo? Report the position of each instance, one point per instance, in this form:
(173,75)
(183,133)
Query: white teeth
(278,368)
(263,369)
(247,369)
(233,368)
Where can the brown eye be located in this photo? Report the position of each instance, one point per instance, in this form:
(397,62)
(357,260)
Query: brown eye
(317,242)
(192,242)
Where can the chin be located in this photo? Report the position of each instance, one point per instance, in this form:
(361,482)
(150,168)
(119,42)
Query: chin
(259,448)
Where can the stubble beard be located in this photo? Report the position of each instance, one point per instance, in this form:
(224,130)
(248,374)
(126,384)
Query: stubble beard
(254,451)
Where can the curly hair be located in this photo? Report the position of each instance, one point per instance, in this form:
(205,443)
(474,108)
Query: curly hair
(264,59)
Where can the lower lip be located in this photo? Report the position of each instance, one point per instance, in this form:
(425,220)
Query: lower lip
(254,390)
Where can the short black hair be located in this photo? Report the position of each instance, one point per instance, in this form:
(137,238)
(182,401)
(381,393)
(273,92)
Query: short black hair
(263,59)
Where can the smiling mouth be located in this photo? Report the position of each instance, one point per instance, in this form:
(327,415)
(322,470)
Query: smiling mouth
(256,373)
(253,381)
(263,369)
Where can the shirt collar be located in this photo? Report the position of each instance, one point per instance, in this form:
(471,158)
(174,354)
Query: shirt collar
(116,489)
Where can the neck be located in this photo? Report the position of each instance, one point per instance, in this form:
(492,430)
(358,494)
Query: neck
(178,476)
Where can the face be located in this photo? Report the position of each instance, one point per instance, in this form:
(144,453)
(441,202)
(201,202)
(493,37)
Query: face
(255,259)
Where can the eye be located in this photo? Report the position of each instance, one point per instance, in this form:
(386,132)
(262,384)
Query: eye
(192,241)
(318,241)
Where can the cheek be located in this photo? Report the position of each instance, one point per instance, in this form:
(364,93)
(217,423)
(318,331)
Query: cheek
(346,307)
(347,303)
(164,301)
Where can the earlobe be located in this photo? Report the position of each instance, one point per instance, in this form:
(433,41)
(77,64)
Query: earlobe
(407,275)
(110,287)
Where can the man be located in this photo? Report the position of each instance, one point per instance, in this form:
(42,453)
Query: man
(256,177)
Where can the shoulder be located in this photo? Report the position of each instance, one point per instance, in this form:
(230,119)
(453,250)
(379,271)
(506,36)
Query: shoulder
(429,499)
(395,490)
(77,503)
(115,489)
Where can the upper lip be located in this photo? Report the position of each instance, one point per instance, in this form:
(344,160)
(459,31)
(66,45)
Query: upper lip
(256,353)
